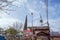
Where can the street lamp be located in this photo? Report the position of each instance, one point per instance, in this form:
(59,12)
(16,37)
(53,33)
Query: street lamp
(32,19)
(32,26)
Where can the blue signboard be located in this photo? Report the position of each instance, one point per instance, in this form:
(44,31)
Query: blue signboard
(2,38)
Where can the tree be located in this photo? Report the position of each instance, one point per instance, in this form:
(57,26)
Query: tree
(17,26)
(12,31)
(1,29)
(4,5)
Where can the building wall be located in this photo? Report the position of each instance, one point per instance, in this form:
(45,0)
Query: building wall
(56,38)
(42,38)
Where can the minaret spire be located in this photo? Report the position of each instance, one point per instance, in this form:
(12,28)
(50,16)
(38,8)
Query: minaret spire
(25,25)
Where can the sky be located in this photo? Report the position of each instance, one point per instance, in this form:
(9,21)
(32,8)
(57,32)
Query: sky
(37,7)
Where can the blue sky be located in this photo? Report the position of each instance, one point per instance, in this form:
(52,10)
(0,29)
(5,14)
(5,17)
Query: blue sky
(25,7)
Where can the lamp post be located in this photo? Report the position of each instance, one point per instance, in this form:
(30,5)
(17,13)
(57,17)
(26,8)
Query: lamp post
(32,25)
(32,19)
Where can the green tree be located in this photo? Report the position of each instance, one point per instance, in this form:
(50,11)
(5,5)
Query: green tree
(12,31)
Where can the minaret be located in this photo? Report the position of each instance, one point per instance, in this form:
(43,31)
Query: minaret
(25,25)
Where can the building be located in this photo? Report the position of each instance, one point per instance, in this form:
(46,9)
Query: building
(41,33)
(55,36)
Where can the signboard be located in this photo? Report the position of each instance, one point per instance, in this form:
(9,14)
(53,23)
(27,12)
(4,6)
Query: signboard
(28,32)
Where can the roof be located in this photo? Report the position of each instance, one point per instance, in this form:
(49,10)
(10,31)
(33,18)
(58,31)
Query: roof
(39,27)
(54,34)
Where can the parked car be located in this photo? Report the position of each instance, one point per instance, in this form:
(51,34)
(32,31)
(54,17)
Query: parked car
(2,38)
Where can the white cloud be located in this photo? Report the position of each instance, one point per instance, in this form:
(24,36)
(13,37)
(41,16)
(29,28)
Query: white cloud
(41,9)
(6,19)
(55,24)
(5,22)
(34,7)
(19,2)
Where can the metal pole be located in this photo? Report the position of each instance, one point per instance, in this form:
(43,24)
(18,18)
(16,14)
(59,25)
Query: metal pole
(47,11)
(32,19)
(32,25)
(47,17)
